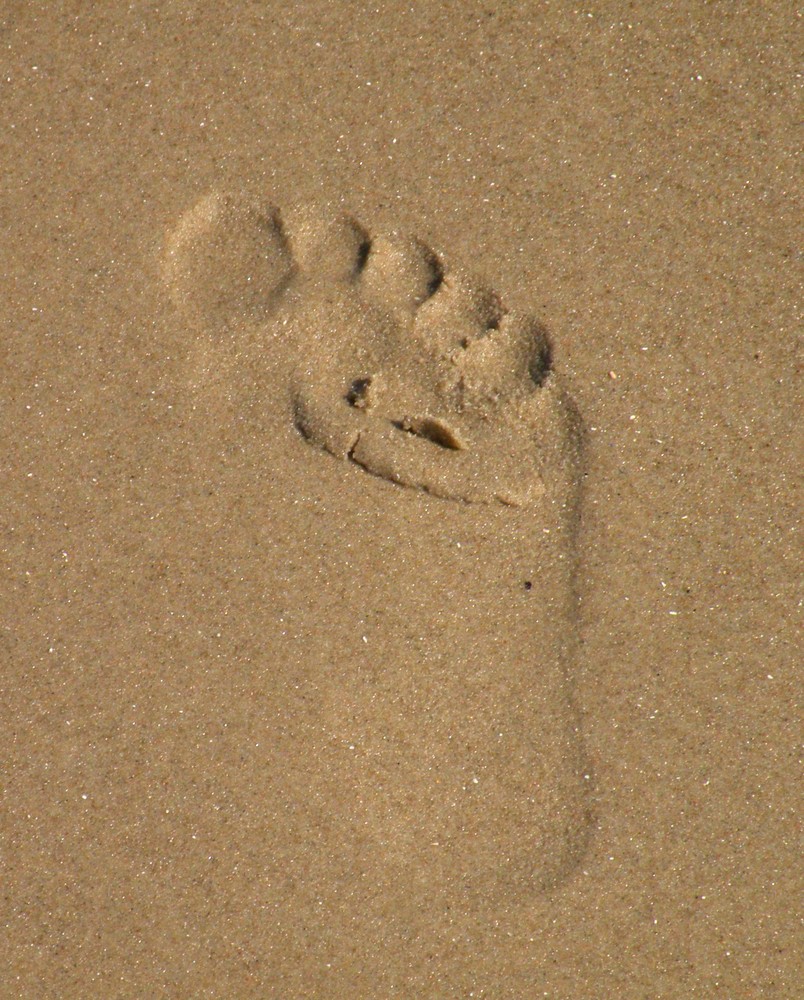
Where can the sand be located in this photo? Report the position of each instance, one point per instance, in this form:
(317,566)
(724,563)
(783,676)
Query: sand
(401,455)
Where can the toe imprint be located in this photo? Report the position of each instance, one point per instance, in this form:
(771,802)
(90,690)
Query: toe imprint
(436,386)
(416,373)
(226,257)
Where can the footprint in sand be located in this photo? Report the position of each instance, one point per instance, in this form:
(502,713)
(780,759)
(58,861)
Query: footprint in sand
(442,409)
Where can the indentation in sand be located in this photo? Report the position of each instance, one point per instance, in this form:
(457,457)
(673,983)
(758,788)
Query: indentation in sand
(383,356)
(414,371)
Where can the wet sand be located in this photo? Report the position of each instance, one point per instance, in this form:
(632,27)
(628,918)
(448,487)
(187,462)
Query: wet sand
(399,569)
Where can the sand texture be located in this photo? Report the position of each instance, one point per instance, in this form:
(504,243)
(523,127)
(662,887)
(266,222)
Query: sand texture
(401,456)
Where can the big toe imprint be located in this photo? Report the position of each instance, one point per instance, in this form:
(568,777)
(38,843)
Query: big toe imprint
(430,382)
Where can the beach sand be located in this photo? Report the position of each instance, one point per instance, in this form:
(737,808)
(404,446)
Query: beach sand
(401,452)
